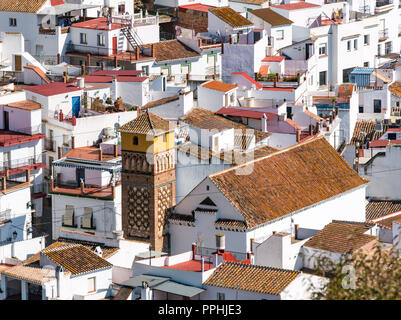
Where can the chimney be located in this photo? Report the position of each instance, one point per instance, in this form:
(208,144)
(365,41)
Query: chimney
(73,142)
(264,123)
(296,232)
(220,242)
(89,59)
(28,175)
(298,135)
(82,184)
(137,53)
(59,153)
(100,154)
(116,150)
(4,183)
(310,129)
(58,58)
(193,251)
(61,116)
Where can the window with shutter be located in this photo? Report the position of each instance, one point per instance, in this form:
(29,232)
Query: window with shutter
(92,284)
(68,219)
(87,219)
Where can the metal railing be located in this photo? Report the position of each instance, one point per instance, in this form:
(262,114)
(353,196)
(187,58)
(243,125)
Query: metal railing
(381,3)
(5,215)
(21,162)
(383,34)
(208,252)
(50,145)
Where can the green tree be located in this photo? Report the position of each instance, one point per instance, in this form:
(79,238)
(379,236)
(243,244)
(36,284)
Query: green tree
(361,276)
(138,4)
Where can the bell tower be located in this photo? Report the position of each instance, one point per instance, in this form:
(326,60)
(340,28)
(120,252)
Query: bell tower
(148,178)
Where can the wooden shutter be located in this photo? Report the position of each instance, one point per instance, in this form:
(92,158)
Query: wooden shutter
(68,219)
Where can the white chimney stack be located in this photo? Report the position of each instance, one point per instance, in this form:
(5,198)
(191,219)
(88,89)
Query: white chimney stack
(264,123)
(346,12)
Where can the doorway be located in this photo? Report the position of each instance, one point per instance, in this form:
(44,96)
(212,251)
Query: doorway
(6,120)
(114,45)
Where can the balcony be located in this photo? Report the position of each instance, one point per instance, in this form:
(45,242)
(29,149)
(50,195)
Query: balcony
(49,31)
(50,145)
(383,34)
(383,6)
(17,166)
(5,216)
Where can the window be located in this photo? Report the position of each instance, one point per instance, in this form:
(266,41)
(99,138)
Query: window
(165,71)
(323,49)
(366,64)
(83,38)
(65,140)
(322,78)
(349,45)
(121,8)
(391,136)
(360,109)
(92,284)
(145,70)
(13,22)
(366,39)
(356,44)
(68,218)
(87,218)
(397,104)
(377,106)
(101,40)
(346,73)
(280,35)
(135,142)
(221,296)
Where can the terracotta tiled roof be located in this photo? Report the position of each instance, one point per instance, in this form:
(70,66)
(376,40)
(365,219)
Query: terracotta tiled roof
(181,217)
(76,258)
(31,274)
(378,208)
(295,6)
(365,130)
(395,88)
(26,105)
(206,119)
(39,72)
(287,181)
(219,86)
(172,50)
(387,221)
(107,251)
(230,223)
(21,5)
(160,102)
(231,17)
(341,237)
(147,123)
(252,1)
(260,279)
(273,59)
(345,90)
(271,17)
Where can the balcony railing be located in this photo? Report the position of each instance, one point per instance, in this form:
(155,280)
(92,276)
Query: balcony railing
(50,145)
(5,216)
(382,3)
(53,31)
(383,34)
(21,162)
(208,252)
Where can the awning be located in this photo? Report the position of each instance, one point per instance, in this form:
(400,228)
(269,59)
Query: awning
(64,8)
(178,289)
(361,76)
(88,164)
(137,281)
(150,254)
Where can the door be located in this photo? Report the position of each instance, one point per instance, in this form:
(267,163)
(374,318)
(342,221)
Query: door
(18,62)
(80,172)
(377,106)
(114,45)
(6,121)
(76,106)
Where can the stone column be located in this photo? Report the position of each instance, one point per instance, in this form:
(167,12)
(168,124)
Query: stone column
(24,290)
